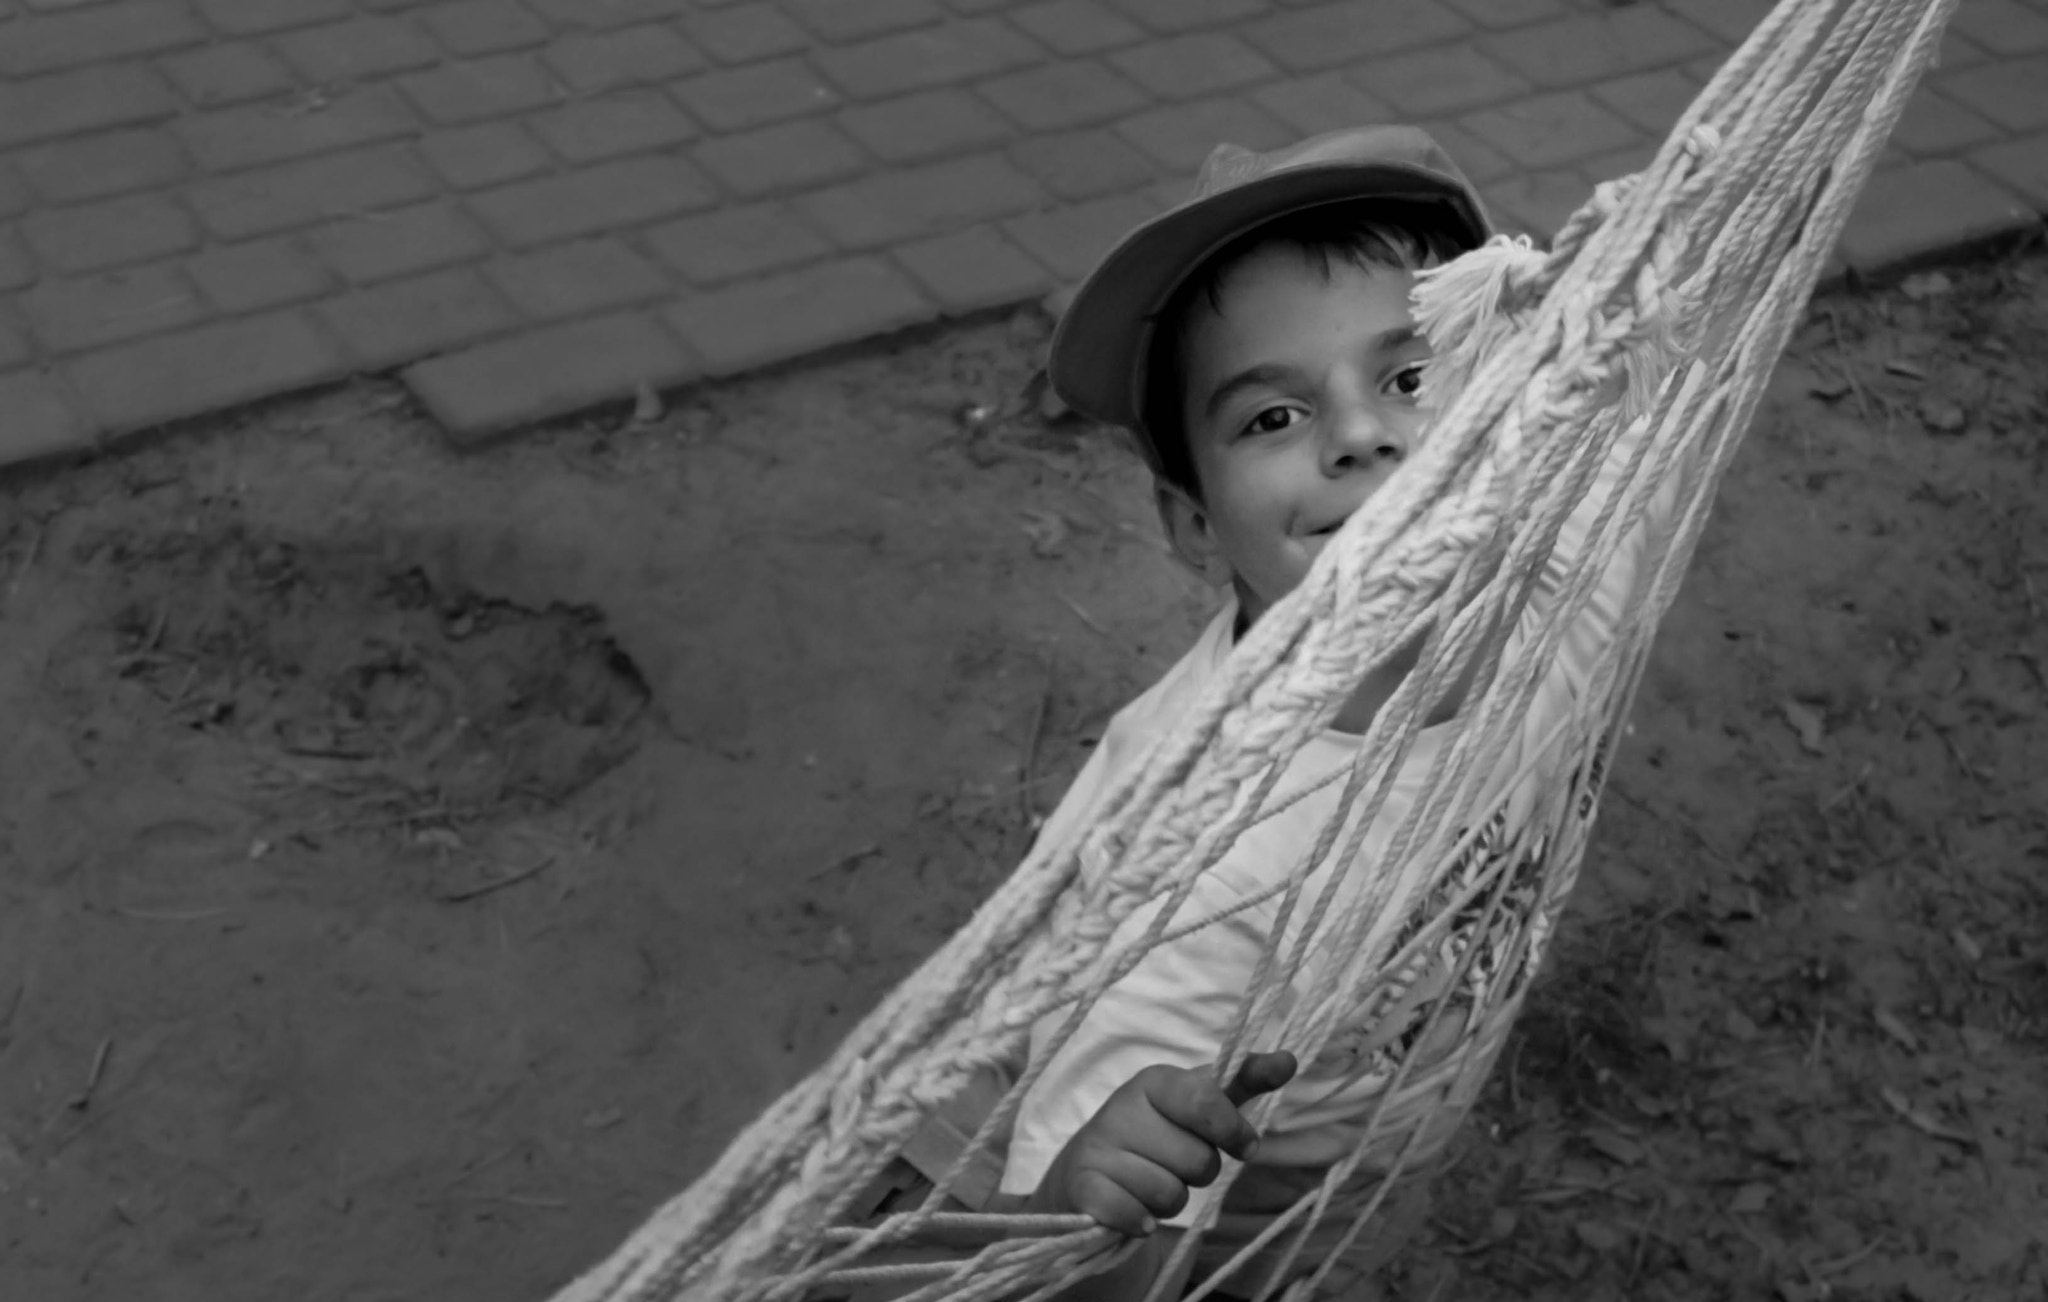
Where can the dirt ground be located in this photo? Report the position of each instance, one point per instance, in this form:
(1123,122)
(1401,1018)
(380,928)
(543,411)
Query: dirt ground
(416,865)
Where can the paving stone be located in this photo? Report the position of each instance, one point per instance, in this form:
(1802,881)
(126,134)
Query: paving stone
(96,166)
(738,98)
(603,15)
(274,199)
(101,34)
(623,122)
(16,267)
(356,49)
(251,135)
(972,270)
(1513,13)
(14,195)
(70,315)
(593,62)
(785,156)
(895,207)
(1622,162)
(2021,165)
(15,348)
(1073,27)
(1071,240)
(172,376)
(577,279)
(732,243)
(840,21)
(1957,51)
(495,87)
(258,274)
(1597,47)
(1537,203)
(1653,101)
(489,153)
(1063,95)
(593,200)
(925,126)
(43,419)
(2001,25)
(1479,161)
(778,318)
(1175,16)
(229,73)
(1082,164)
(1179,136)
(1934,125)
(2013,92)
(1186,67)
(91,98)
(470,28)
(1323,101)
(253,17)
(400,242)
(744,33)
(1330,35)
(87,237)
(1908,212)
(928,56)
(1441,79)
(546,373)
(406,320)
(1730,20)
(1545,131)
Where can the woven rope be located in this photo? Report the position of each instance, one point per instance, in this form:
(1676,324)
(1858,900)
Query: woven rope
(1708,256)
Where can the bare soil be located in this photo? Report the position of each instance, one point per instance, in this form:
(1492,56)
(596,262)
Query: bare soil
(413,866)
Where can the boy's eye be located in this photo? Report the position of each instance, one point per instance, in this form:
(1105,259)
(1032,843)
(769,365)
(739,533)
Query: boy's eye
(1408,380)
(1271,421)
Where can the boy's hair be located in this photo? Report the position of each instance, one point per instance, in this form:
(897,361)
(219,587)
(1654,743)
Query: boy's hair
(1371,235)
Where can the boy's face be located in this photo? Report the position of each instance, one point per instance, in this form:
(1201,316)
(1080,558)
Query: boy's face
(1300,399)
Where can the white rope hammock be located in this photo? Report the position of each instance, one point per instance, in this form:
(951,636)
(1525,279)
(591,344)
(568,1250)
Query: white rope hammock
(1666,299)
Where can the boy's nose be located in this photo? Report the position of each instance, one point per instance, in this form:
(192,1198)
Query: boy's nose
(1361,441)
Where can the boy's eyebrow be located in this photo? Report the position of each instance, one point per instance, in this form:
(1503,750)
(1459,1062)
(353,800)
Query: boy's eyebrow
(1266,372)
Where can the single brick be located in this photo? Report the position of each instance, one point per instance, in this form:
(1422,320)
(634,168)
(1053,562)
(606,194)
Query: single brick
(735,99)
(274,199)
(1546,131)
(1072,27)
(1957,51)
(87,237)
(1063,94)
(173,376)
(357,49)
(1329,35)
(1622,162)
(2013,93)
(928,56)
(86,99)
(406,320)
(1185,67)
(15,349)
(796,313)
(70,315)
(469,28)
(785,156)
(94,167)
(1537,203)
(603,15)
(892,207)
(840,21)
(1653,101)
(1933,125)
(1442,79)
(2021,165)
(610,196)
(101,34)
(496,87)
(734,242)
(401,242)
(577,279)
(624,122)
(1172,16)
(14,194)
(744,33)
(1907,213)
(1731,20)
(1179,136)
(256,275)
(974,269)
(927,125)
(2001,25)
(489,153)
(251,135)
(1479,161)
(1071,240)
(1320,102)
(1082,164)
(1598,46)
(226,74)
(547,373)
(253,17)
(43,420)
(1517,13)
(590,63)
(16,267)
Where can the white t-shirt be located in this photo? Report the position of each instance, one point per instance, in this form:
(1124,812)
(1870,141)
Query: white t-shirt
(1178,1005)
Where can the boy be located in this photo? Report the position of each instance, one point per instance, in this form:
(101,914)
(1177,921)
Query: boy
(1258,344)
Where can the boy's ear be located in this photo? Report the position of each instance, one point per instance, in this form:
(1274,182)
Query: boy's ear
(1188,532)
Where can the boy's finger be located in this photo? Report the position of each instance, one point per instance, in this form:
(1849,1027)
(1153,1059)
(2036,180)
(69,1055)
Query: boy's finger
(1192,1102)
(1261,1073)
(1128,1194)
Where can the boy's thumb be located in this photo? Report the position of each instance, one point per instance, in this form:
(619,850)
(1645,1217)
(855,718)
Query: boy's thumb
(1261,1073)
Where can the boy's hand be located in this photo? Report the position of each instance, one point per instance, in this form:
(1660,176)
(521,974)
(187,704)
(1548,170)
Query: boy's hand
(1157,1137)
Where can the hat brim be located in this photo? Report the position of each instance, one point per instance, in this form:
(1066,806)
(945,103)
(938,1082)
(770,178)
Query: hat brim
(1098,353)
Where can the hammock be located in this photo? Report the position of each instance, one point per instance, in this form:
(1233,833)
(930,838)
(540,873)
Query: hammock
(1665,300)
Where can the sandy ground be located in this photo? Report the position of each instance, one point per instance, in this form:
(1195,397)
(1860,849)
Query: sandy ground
(415,865)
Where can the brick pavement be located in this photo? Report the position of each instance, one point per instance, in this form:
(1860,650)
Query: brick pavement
(526,207)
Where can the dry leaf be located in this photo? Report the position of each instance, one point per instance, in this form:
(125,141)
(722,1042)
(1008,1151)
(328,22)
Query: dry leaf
(1750,1199)
(1921,1121)
(1889,1023)
(1926,285)
(1600,1236)
(1048,532)
(1806,721)
(1618,1147)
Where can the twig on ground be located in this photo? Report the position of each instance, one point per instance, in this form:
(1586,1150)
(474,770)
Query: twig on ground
(82,1100)
(495,884)
(846,861)
(1027,794)
(1085,617)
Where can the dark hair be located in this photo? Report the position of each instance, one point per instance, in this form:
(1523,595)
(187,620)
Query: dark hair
(1372,234)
